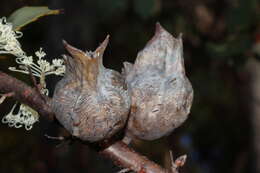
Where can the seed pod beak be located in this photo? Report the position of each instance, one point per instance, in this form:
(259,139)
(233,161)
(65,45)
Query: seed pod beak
(101,49)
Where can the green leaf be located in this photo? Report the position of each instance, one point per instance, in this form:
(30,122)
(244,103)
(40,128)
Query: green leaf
(26,15)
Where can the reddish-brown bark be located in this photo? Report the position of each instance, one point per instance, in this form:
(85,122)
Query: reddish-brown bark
(126,157)
(25,94)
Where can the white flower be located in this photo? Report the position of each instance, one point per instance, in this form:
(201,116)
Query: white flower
(60,70)
(25,116)
(57,62)
(42,67)
(8,39)
(40,54)
(39,67)
(27,60)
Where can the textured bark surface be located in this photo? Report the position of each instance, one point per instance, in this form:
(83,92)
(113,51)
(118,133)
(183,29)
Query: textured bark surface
(126,157)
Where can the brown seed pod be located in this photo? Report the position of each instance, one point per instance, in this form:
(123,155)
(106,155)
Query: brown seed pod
(90,101)
(161,93)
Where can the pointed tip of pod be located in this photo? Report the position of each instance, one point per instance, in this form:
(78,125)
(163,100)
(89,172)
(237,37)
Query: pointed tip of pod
(64,42)
(158,27)
(160,31)
(73,51)
(179,39)
(102,47)
(127,67)
(154,52)
(180,36)
(160,34)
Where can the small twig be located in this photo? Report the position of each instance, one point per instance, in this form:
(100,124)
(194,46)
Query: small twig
(58,138)
(125,157)
(173,165)
(63,140)
(179,162)
(4,96)
(35,84)
(124,170)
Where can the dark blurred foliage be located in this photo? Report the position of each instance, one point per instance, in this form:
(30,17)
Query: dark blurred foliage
(218,39)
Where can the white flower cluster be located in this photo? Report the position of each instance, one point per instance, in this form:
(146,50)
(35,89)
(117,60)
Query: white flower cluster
(8,39)
(25,116)
(39,67)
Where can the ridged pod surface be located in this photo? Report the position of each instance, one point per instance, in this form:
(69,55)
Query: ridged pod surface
(161,94)
(90,101)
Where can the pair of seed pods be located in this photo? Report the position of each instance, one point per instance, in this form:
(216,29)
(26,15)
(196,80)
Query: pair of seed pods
(151,97)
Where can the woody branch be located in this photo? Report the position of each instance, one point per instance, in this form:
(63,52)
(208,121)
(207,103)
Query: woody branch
(118,152)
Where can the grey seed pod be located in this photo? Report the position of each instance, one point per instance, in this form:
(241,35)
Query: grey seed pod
(161,93)
(90,101)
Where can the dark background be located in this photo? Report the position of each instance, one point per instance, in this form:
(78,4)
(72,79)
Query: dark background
(219,36)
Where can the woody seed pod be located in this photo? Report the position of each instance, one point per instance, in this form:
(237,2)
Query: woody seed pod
(90,101)
(161,93)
